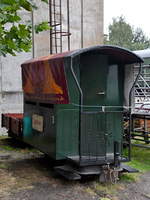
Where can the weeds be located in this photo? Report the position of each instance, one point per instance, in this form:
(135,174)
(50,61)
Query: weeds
(140,160)
(10,144)
(3,166)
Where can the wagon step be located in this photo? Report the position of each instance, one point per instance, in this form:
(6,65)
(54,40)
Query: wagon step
(73,173)
(67,172)
(128,169)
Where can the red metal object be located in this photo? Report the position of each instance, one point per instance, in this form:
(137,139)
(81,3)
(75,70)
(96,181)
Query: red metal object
(14,115)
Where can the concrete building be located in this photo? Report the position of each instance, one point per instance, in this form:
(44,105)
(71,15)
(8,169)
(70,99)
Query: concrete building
(85,29)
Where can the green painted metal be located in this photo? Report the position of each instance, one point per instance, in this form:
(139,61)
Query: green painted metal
(102,85)
(92,122)
(46,140)
(94,69)
(67,116)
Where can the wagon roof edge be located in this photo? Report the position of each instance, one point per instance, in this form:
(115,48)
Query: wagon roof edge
(108,49)
(111,50)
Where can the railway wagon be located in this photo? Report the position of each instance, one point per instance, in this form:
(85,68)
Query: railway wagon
(73,107)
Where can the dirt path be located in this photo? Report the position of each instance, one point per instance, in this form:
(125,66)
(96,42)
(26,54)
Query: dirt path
(26,174)
(34,179)
(137,191)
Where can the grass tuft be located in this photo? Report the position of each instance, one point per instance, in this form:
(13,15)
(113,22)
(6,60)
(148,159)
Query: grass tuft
(3,166)
(129,178)
(140,159)
(10,144)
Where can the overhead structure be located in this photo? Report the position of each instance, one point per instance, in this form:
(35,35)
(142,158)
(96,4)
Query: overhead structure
(142,88)
(141,113)
(75,24)
(57,31)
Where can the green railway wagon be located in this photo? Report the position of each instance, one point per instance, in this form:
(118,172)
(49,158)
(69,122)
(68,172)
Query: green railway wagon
(73,106)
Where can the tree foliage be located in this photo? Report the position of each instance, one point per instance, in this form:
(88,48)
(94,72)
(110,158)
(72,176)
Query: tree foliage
(16,35)
(123,34)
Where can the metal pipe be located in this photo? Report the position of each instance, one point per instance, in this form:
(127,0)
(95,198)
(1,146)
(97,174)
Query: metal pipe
(82,24)
(68,22)
(55,29)
(140,145)
(76,80)
(1,77)
(50,22)
(33,44)
(60,26)
(81,102)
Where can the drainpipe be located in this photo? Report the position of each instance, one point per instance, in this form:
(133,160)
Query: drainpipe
(82,24)
(33,44)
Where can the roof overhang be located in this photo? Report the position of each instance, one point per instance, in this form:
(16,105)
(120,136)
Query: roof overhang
(116,54)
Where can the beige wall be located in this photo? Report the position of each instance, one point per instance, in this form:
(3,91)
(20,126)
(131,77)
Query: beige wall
(93,22)
(92,25)
(41,40)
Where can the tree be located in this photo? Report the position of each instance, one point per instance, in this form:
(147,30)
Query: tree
(123,34)
(16,36)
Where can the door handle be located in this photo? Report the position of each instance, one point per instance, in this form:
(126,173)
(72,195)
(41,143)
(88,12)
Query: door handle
(101,93)
(53,119)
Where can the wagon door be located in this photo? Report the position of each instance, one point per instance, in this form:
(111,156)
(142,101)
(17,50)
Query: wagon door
(93,79)
(114,109)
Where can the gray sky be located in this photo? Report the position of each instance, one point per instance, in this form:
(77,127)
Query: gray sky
(136,13)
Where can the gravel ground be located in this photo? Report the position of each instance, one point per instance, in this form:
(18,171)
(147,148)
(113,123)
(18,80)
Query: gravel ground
(34,179)
(137,191)
(28,175)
